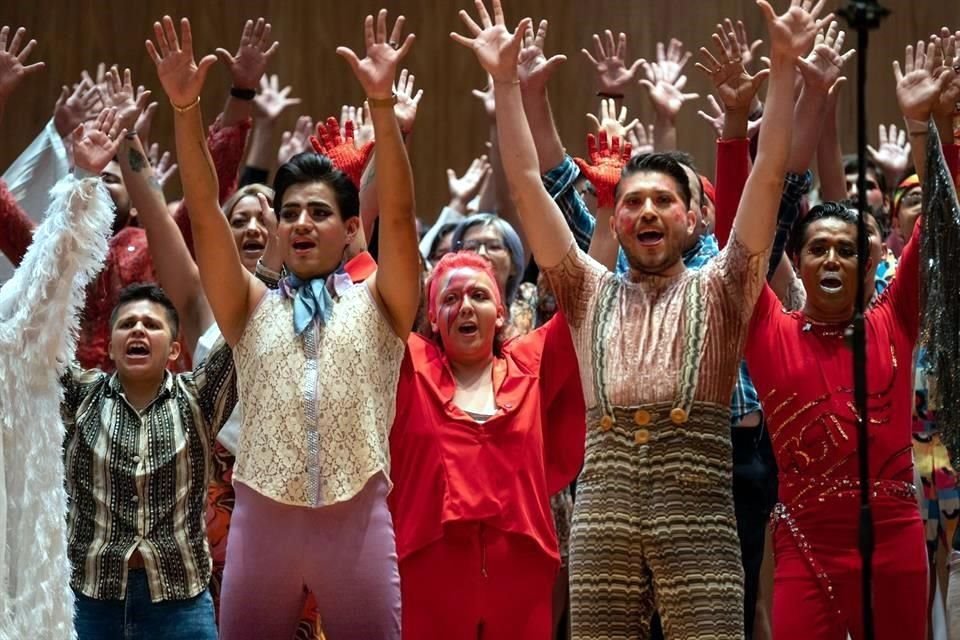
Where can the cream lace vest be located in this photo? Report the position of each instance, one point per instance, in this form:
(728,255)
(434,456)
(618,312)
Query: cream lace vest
(317,408)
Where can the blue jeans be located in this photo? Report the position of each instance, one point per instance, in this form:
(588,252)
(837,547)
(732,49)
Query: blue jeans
(137,618)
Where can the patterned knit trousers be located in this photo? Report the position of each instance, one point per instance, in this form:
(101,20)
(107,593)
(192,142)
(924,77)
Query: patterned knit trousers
(654,527)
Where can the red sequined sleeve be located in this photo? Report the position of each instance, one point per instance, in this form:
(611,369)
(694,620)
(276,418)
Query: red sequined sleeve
(16,227)
(226,146)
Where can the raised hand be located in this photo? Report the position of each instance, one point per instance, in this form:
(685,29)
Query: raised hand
(272,100)
(824,66)
(947,44)
(96,144)
(296,141)
(748,50)
(12,59)
(362,124)
(163,165)
(378,69)
(181,76)
(893,154)
(497,49)
(120,94)
(407,102)
(249,64)
(466,187)
(340,149)
(641,140)
(614,125)
(534,67)
(145,122)
(613,76)
(485,96)
(670,60)
(792,34)
(666,95)
(76,106)
(918,86)
(606,164)
(735,87)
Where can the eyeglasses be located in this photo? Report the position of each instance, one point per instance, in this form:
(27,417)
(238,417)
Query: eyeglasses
(490,246)
(911,200)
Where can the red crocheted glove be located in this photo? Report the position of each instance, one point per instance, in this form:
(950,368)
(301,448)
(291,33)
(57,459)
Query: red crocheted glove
(342,151)
(606,164)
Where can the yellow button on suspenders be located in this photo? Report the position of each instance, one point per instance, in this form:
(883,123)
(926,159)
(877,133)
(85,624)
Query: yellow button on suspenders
(642,417)
(641,436)
(678,416)
(606,423)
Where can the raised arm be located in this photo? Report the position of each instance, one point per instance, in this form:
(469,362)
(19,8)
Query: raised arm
(41,301)
(664,82)
(12,59)
(737,90)
(397,281)
(268,106)
(920,84)
(534,72)
(497,50)
(175,268)
(791,36)
(231,291)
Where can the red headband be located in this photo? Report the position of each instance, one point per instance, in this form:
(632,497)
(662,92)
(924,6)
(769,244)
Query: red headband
(708,189)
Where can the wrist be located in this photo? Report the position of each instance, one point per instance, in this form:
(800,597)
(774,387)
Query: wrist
(458,204)
(80,172)
(616,95)
(243,91)
(377,100)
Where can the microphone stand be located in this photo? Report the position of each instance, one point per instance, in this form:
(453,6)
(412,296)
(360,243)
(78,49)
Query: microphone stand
(863,15)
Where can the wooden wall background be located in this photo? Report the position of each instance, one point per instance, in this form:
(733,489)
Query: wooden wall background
(451,127)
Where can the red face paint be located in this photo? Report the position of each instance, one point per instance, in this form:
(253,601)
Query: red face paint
(458,287)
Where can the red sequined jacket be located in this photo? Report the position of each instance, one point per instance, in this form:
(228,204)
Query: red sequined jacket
(128,260)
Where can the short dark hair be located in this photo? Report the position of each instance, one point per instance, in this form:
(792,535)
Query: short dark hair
(841,210)
(659,163)
(147,291)
(310,166)
(851,164)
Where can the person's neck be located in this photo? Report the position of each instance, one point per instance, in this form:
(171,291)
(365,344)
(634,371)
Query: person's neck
(140,393)
(638,275)
(827,317)
(473,373)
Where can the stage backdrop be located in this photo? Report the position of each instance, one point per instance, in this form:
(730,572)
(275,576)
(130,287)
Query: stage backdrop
(451,126)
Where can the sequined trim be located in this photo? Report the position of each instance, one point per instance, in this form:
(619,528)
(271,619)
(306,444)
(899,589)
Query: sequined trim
(310,391)
(838,488)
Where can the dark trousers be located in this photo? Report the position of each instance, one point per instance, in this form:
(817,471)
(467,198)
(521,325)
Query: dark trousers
(754,496)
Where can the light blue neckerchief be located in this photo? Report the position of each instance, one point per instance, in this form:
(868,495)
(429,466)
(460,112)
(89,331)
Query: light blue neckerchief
(311,300)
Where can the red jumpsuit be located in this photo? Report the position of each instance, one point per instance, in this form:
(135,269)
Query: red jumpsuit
(471,501)
(803,373)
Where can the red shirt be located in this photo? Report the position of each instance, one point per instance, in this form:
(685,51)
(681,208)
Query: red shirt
(803,372)
(128,259)
(446,467)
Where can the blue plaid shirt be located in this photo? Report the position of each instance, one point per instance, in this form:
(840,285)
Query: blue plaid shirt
(559,183)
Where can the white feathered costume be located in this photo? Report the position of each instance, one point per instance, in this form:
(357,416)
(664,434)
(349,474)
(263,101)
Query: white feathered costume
(38,327)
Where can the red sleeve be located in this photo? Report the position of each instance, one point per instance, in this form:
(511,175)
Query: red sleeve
(767,305)
(951,153)
(16,227)
(903,294)
(226,146)
(563,410)
(733,167)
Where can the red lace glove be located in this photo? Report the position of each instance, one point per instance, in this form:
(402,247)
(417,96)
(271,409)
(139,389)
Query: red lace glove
(342,151)
(607,162)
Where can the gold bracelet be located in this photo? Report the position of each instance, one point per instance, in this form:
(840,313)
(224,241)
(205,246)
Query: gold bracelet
(383,102)
(192,105)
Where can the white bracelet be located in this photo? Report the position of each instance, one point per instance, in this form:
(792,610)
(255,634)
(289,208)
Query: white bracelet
(916,127)
(267,272)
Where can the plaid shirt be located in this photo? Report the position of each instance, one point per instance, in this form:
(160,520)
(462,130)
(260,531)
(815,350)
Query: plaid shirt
(137,480)
(559,183)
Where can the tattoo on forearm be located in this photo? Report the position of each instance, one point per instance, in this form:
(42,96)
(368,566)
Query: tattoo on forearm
(137,161)
(368,177)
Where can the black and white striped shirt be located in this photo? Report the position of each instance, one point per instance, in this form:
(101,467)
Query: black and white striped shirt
(137,481)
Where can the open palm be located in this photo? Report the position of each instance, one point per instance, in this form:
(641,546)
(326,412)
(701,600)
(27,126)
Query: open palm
(497,49)
(181,76)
